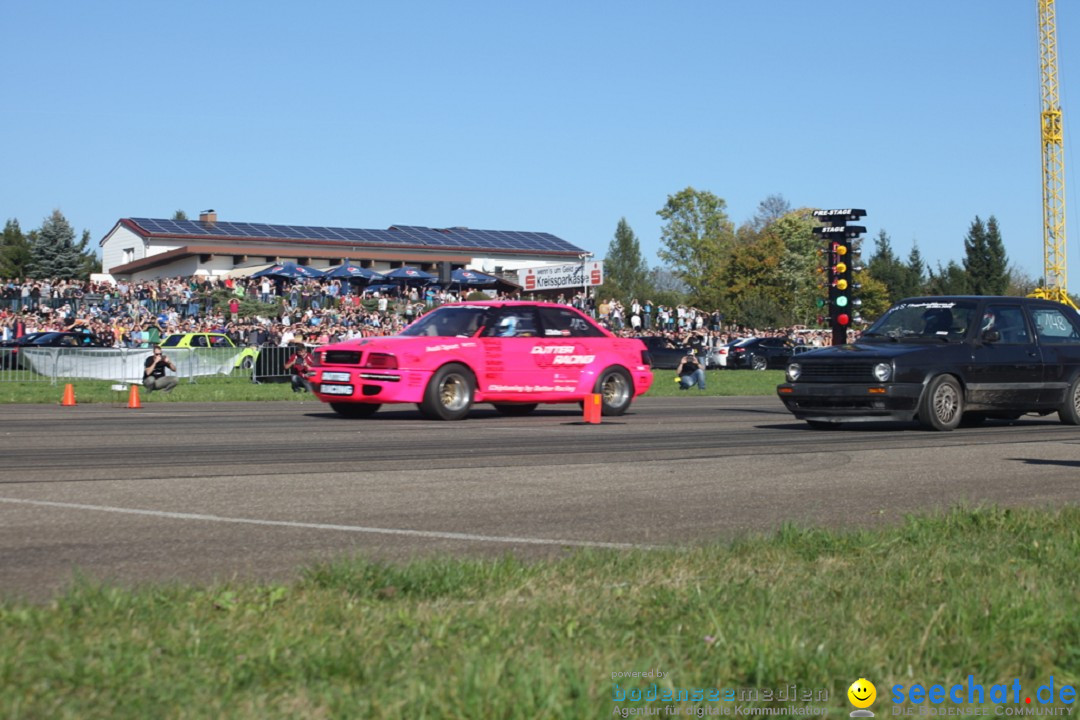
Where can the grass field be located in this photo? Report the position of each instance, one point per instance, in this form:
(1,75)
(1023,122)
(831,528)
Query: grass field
(990,592)
(240,389)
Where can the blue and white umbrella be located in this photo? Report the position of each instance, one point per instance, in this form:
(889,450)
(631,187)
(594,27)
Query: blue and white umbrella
(473,278)
(354,272)
(409,275)
(289,270)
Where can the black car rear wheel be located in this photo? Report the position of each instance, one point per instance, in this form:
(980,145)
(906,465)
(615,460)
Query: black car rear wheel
(1069,412)
(757,362)
(942,404)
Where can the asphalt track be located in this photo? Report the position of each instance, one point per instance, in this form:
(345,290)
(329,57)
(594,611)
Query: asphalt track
(213,492)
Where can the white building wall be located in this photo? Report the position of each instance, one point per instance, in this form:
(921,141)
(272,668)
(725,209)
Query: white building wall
(497,263)
(114,245)
(185,267)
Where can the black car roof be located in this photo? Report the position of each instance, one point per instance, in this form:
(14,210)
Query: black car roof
(975,298)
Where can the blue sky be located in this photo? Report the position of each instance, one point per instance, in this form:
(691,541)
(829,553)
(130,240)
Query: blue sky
(557,117)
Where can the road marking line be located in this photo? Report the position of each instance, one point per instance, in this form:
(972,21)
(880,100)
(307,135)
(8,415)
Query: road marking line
(324,526)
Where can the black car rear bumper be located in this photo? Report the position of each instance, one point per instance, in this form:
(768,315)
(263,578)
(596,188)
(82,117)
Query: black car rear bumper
(830,402)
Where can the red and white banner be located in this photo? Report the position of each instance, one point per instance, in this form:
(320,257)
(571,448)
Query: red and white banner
(557,277)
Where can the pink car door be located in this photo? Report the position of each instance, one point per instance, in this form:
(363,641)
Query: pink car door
(516,358)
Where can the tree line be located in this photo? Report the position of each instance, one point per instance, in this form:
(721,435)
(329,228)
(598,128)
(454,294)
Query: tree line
(767,271)
(49,251)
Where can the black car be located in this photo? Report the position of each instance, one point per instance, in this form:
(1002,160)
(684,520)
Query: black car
(9,349)
(663,354)
(946,361)
(760,353)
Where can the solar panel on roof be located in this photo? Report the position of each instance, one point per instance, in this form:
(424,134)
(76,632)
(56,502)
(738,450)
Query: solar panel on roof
(463,238)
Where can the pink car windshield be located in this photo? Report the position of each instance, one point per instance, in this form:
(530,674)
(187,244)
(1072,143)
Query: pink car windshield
(459,321)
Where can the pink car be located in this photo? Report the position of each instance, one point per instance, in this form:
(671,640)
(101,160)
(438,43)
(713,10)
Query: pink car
(514,355)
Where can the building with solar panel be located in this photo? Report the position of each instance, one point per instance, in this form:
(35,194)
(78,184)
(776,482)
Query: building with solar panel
(146,248)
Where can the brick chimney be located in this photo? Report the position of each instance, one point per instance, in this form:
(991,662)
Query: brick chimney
(208,216)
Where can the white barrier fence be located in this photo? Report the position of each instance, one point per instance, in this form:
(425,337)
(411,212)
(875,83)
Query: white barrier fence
(119,364)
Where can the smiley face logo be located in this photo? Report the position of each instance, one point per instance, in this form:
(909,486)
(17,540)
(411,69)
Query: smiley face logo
(862,693)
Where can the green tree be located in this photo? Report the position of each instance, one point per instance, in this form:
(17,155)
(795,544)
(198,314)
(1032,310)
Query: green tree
(624,266)
(985,261)
(696,239)
(15,253)
(666,288)
(1020,283)
(948,280)
(874,296)
(915,277)
(769,211)
(752,295)
(179,215)
(796,277)
(887,268)
(54,251)
(91,262)
(997,261)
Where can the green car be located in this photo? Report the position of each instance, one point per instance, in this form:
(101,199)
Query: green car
(218,341)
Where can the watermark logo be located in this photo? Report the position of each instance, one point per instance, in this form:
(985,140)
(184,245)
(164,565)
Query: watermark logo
(862,695)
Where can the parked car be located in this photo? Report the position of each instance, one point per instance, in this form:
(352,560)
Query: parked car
(760,353)
(946,361)
(9,349)
(246,358)
(719,356)
(663,354)
(514,355)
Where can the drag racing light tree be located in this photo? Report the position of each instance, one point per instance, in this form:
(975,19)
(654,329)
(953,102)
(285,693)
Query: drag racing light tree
(839,255)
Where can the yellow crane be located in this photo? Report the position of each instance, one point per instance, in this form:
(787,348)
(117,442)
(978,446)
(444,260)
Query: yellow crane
(1055,271)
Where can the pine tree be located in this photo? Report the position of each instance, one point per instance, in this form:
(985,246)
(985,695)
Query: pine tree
(975,258)
(624,266)
(996,281)
(14,251)
(54,253)
(916,268)
(91,263)
(948,280)
(887,268)
(179,215)
(914,275)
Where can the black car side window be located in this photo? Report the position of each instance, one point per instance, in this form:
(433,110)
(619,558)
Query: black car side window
(1053,327)
(1008,322)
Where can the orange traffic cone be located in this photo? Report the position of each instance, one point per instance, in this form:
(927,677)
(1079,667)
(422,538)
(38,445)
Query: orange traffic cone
(593,409)
(133,397)
(69,395)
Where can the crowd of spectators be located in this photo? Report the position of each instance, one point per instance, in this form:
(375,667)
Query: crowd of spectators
(131,314)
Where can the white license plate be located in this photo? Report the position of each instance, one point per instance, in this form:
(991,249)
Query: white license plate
(336,389)
(335,377)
